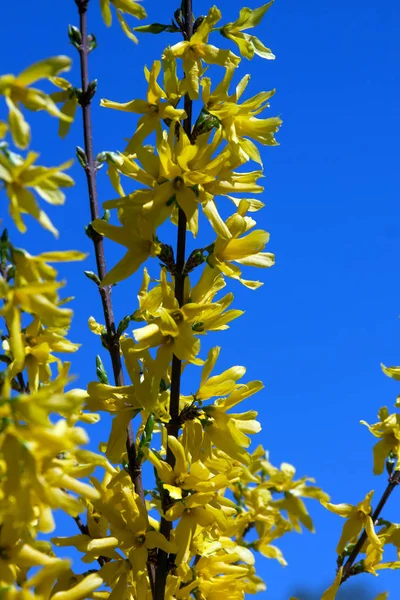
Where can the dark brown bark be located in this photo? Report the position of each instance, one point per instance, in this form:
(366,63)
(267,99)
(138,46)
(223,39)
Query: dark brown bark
(134,467)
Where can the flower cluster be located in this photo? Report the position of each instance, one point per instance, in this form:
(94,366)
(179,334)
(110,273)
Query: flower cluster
(212,499)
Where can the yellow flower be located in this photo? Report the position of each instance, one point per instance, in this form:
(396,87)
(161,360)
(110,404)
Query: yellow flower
(330,593)
(194,51)
(17,90)
(69,98)
(129,7)
(239,121)
(35,292)
(227,431)
(175,328)
(243,249)
(388,430)
(19,174)
(139,247)
(218,385)
(33,299)
(157,107)
(177,177)
(358,517)
(282,480)
(248,44)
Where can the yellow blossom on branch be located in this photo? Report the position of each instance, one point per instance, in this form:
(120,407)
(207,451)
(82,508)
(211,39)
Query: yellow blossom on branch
(248,44)
(197,49)
(18,175)
(16,90)
(357,518)
(154,109)
(122,7)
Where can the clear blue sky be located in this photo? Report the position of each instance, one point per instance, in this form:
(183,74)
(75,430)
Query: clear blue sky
(328,312)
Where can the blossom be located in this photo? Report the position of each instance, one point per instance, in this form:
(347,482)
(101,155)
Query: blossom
(175,328)
(357,518)
(19,174)
(16,90)
(239,121)
(387,430)
(140,246)
(154,109)
(122,7)
(330,593)
(243,249)
(69,97)
(197,49)
(248,44)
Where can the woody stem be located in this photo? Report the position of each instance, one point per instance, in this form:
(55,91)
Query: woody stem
(134,467)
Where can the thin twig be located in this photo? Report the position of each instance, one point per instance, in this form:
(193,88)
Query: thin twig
(394,481)
(176,371)
(134,467)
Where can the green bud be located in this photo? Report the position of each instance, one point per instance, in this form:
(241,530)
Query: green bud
(178,16)
(113,158)
(100,371)
(4,247)
(92,276)
(91,89)
(81,156)
(348,549)
(124,323)
(91,233)
(358,568)
(101,157)
(382,522)
(107,215)
(390,462)
(75,36)
(146,437)
(148,430)
(105,340)
(163,385)
(92,42)
(195,259)
(198,22)
(205,123)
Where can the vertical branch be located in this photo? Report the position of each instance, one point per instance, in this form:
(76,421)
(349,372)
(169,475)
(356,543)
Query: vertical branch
(176,371)
(88,90)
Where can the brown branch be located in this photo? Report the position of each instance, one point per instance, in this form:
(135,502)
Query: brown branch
(394,481)
(174,422)
(134,467)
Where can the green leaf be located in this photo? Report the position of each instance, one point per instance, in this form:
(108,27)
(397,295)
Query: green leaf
(156,28)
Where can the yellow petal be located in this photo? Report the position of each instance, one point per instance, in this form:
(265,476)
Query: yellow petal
(44,69)
(19,128)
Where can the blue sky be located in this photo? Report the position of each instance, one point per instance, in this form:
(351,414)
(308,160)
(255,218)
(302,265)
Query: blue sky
(328,312)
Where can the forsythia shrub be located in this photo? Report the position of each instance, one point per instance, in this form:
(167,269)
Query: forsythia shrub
(214,500)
